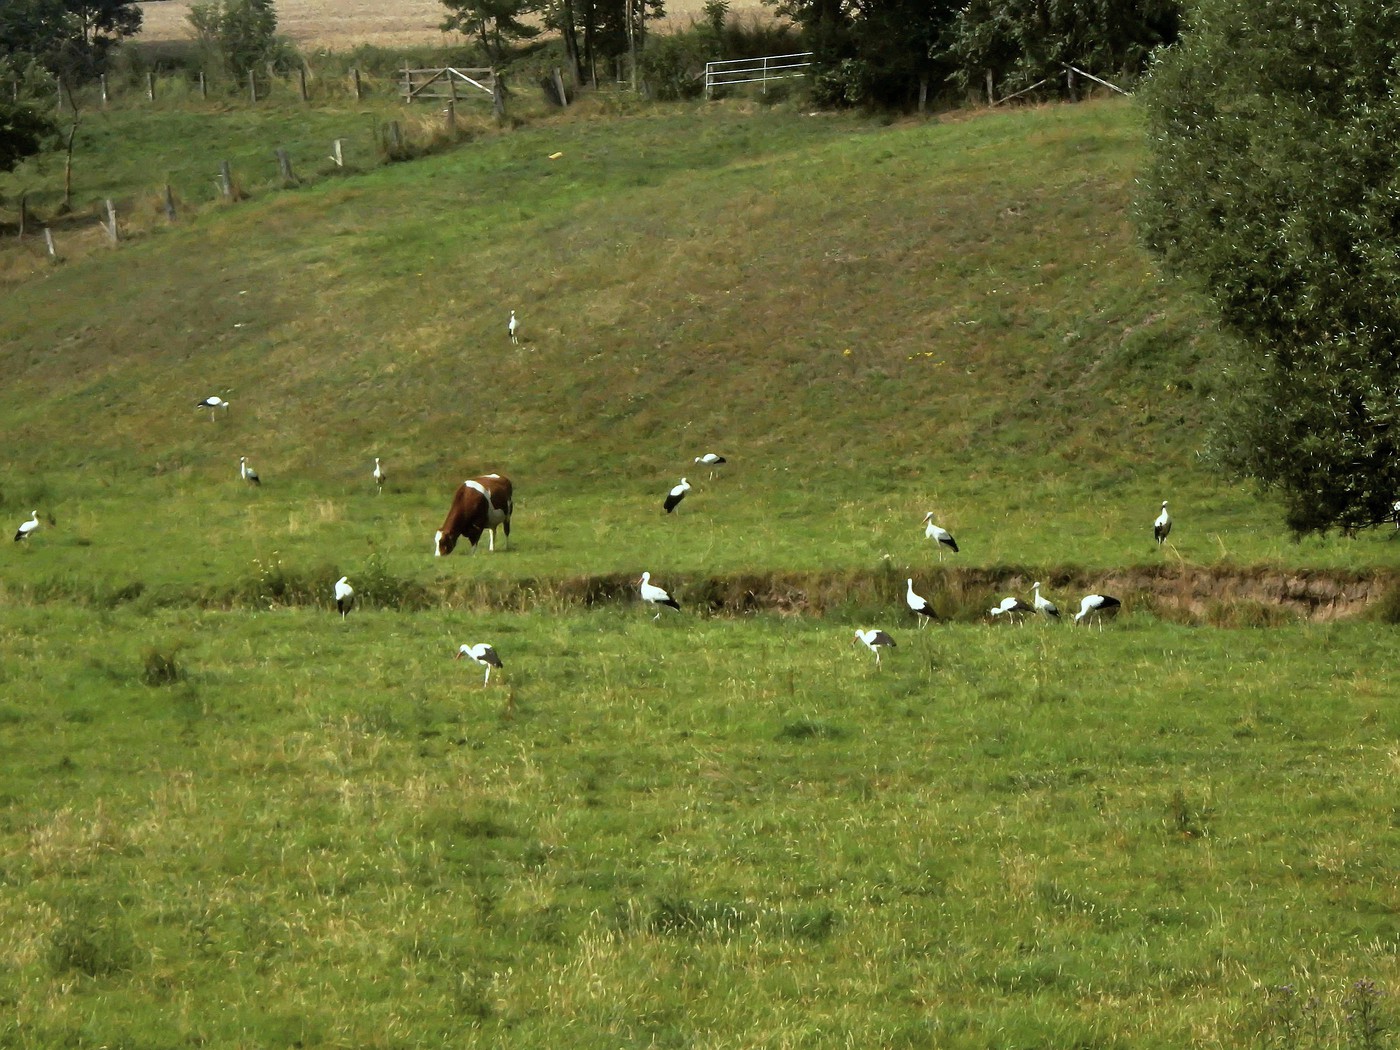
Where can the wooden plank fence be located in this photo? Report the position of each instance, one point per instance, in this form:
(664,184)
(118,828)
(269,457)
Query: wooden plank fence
(447,83)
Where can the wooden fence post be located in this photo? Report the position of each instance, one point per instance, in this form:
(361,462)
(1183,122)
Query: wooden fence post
(991,97)
(252,85)
(408,85)
(559,87)
(102,80)
(301,76)
(284,164)
(337,153)
(450,117)
(169,203)
(226,180)
(150,87)
(498,96)
(203,85)
(111,224)
(355,80)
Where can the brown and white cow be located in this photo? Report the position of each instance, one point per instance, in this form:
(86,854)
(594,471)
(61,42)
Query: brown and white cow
(479,505)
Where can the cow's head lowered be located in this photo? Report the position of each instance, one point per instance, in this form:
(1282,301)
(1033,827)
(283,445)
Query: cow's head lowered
(479,505)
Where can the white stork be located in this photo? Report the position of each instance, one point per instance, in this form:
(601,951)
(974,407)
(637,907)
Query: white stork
(513,327)
(212,402)
(940,535)
(1098,606)
(27,528)
(1044,606)
(919,606)
(656,596)
(344,596)
(1162,527)
(378,474)
(874,640)
(711,460)
(483,655)
(1009,607)
(674,497)
(247,473)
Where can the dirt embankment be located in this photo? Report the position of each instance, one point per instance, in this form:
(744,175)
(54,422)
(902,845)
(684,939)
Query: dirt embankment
(1225,596)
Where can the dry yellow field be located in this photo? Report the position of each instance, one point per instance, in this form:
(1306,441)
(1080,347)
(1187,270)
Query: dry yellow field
(342,24)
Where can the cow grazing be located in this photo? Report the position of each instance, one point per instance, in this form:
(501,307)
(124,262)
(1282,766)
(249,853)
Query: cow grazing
(479,505)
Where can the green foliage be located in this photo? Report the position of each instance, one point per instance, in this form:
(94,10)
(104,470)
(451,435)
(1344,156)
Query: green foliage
(236,36)
(673,64)
(496,25)
(1272,131)
(1025,41)
(24,132)
(72,38)
(878,54)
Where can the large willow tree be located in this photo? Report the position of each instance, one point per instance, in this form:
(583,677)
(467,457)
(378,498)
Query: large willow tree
(1274,184)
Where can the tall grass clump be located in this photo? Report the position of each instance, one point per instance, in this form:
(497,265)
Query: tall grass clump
(91,938)
(161,666)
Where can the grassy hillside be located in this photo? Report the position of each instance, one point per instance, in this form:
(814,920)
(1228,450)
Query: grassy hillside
(871,321)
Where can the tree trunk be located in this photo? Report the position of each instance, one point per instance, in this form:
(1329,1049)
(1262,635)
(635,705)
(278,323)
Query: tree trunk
(570,34)
(68,169)
(590,24)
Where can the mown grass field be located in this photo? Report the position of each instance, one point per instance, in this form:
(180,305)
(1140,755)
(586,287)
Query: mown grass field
(229,819)
(710,833)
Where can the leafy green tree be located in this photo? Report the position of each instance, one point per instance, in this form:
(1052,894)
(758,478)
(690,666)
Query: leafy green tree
(494,24)
(70,37)
(238,35)
(24,132)
(1024,41)
(874,52)
(1274,184)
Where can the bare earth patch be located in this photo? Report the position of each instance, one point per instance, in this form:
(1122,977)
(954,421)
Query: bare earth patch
(340,25)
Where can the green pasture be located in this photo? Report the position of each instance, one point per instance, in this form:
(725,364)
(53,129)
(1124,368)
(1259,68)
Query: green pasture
(253,829)
(229,819)
(871,321)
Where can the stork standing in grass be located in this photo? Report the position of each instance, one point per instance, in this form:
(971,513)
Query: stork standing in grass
(1044,606)
(657,596)
(378,476)
(1098,606)
(513,328)
(247,473)
(939,535)
(28,528)
(1009,607)
(674,497)
(874,640)
(212,402)
(918,605)
(344,596)
(483,655)
(1162,527)
(711,460)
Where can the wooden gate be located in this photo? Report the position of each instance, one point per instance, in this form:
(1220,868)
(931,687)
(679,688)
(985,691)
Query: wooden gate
(448,83)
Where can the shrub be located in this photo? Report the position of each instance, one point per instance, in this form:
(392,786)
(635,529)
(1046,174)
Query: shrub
(160,667)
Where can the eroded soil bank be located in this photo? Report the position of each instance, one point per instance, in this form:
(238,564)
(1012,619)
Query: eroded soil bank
(1224,595)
